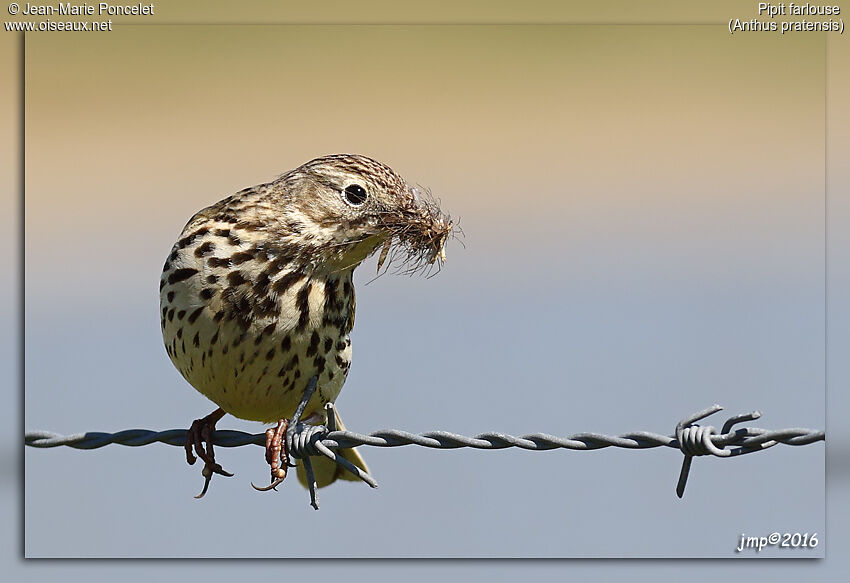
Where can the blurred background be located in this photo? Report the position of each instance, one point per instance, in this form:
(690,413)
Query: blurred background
(643,210)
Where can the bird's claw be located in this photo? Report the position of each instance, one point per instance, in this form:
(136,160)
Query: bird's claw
(208,472)
(277,455)
(273,486)
(199,434)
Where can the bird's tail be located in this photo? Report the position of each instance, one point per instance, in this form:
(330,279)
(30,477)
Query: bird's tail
(326,471)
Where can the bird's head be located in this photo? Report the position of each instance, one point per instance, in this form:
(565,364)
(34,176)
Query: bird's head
(345,207)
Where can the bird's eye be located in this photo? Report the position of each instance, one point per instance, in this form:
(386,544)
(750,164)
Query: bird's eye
(355,194)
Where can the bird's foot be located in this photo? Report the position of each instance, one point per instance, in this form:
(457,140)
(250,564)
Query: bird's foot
(277,455)
(277,451)
(199,433)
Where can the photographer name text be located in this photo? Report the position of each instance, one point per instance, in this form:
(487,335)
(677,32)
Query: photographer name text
(99,9)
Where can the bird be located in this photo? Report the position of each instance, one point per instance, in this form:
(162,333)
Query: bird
(257,294)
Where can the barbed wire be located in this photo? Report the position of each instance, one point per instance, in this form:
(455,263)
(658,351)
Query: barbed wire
(304,440)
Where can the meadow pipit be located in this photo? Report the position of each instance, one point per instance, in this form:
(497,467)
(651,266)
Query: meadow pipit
(257,298)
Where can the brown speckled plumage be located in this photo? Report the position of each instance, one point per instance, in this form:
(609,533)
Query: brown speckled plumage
(256,296)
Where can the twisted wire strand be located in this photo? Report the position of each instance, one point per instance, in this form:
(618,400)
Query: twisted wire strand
(304,441)
(751,438)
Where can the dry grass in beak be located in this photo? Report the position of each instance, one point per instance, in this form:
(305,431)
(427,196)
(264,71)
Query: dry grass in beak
(418,231)
(385,250)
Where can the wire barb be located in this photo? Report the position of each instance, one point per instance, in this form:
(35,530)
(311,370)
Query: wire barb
(304,440)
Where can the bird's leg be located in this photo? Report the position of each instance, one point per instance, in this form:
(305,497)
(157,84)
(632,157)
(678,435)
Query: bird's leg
(277,455)
(200,432)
